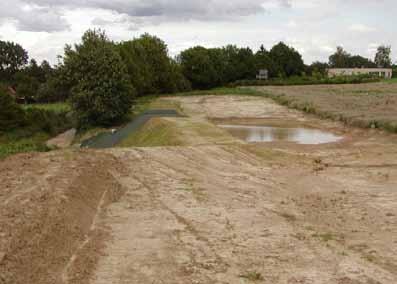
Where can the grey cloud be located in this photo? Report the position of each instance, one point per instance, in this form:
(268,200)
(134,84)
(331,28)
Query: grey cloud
(32,17)
(173,9)
(45,15)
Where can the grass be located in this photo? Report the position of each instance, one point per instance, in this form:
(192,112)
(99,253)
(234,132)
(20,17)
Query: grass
(391,81)
(364,106)
(43,121)
(222,92)
(12,145)
(252,276)
(157,132)
(55,107)
(308,80)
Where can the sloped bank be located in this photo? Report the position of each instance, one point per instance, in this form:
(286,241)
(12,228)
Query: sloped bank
(111,139)
(48,214)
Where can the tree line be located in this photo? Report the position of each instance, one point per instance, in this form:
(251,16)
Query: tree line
(101,78)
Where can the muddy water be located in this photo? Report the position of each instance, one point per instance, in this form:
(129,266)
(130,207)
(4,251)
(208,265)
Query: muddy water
(274,134)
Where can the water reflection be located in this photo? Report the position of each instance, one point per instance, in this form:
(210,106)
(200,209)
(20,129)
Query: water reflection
(271,134)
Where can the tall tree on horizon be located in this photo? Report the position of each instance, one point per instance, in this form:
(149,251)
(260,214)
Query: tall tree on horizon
(383,57)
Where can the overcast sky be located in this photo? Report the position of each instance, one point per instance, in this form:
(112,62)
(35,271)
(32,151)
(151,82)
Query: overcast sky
(314,27)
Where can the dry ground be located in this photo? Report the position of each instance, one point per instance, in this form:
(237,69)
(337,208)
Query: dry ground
(213,210)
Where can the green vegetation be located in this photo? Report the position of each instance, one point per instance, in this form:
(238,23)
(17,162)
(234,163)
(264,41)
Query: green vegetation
(391,81)
(223,92)
(13,143)
(343,59)
(214,67)
(157,132)
(25,130)
(150,70)
(306,80)
(55,107)
(252,276)
(11,114)
(102,94)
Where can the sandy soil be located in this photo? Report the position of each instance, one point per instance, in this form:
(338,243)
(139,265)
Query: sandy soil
(63,140)
(206,213)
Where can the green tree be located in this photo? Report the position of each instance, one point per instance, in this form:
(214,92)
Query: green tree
(198,68)
(263,60)
(358,61)
(317,69)
(340,59)
(11,114)
(26,86)
(12,58)
(383,57)
(57,87)
(149,66)
(102,94)
(287,61)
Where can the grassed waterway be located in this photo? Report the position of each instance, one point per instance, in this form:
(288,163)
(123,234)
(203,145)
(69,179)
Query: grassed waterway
(298,135)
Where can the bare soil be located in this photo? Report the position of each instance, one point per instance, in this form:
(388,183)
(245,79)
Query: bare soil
(208,211)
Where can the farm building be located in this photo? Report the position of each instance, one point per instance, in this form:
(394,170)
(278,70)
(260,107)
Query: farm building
(386,73)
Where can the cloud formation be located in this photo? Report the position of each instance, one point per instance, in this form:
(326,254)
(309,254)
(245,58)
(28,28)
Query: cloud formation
(46,15)
(30,17)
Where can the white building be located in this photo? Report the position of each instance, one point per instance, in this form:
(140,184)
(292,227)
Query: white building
(386,73)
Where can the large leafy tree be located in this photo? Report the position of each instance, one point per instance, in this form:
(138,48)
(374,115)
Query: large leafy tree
(102,94)
(149,66)
(287,61)
(340,59)
(358,61)
(383,57)
(12,58)
(198,67)
(239,63)
(343,59)
(57,87)
(263,60)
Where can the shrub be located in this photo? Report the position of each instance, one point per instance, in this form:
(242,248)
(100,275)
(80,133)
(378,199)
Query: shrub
(11,114)
(306,80)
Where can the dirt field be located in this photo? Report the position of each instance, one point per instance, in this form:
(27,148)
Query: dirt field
(363,105)
(211,210)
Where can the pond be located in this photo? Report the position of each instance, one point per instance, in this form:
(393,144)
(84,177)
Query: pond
(304,136)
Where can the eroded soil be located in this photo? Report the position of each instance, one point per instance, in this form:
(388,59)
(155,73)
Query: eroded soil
(206,212)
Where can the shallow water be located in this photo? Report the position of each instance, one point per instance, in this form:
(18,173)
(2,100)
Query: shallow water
(273,134)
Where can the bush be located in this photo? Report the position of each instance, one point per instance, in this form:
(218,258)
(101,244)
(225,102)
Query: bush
(47,121)
(103,94)
(27,86)
(11,114)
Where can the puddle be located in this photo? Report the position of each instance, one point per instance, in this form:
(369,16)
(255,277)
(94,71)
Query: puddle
(304,136)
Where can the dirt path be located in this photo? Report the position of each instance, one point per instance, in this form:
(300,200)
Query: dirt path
(207,213)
